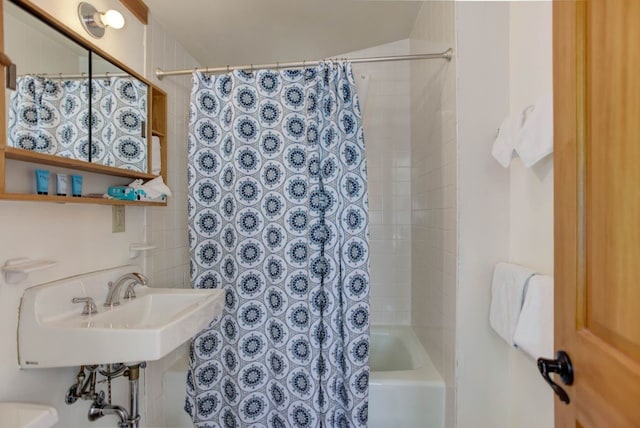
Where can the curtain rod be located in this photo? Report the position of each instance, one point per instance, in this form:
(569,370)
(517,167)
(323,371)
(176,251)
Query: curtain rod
(60,76)
(448,54)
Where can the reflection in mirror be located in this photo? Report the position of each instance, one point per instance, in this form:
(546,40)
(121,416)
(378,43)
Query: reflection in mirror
(119,132)
(48,111)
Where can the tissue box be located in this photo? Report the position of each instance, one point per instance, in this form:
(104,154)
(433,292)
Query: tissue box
(122,192)
(132,194)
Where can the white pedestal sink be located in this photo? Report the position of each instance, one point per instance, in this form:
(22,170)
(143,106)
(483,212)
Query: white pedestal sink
(27,415)
(52,332)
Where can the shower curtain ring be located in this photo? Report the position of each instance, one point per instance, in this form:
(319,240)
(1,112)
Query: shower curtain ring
(251,69)
(277,65)
(303,63)
(228,71)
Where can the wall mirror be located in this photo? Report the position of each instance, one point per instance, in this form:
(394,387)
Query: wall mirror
(69,101)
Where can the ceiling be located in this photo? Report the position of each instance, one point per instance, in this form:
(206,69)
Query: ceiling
(239,32)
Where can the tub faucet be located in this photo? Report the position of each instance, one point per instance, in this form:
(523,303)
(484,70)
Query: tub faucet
(113,295)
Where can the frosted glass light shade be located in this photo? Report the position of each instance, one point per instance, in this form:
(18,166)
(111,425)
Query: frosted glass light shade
(113,18)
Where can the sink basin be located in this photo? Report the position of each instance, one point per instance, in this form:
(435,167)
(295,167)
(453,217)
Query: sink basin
(52,332)
(27,415)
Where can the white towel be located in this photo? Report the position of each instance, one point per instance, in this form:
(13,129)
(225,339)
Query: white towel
(506,140)
(156,158)
(534,332)
(507,294)
(536,136)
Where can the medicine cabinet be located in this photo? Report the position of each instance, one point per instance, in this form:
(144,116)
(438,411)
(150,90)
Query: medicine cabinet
(75,109)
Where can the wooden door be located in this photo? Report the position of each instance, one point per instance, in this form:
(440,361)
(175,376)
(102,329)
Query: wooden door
(597,209)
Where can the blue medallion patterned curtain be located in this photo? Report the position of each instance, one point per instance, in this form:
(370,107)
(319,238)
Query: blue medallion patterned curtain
(52,116)
(278,219)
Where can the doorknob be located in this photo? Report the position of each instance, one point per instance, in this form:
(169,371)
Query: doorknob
(562,366)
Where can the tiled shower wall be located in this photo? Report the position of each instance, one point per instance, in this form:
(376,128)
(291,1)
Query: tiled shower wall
(168,264)
(434,192)
(386,124)
(166,227)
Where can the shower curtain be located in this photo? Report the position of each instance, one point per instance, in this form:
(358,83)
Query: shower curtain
(278,219)
(52,116)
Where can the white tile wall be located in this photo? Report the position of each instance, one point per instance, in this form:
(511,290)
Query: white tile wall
(386,124)
(166,227)
(434,192)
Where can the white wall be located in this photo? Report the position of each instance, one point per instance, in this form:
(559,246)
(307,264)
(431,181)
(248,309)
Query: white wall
(531,199)
(386,124)
(483,206)
(531,76)
(434,193)
(79,236)
(504,64)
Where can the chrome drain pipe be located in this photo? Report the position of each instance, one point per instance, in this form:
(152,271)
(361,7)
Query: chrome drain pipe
(133,373)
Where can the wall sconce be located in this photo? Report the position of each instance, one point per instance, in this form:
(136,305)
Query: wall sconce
(95,22)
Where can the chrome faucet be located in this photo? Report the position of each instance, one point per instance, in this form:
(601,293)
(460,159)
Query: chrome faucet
(113,295)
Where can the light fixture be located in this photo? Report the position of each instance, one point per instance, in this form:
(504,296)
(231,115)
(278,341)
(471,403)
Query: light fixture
(95,22)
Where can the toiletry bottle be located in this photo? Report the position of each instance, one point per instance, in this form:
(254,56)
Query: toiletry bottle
(76,186)
(42,181)
(61,184)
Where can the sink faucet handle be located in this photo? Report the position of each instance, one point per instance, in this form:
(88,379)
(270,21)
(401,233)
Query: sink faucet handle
(89,305)
(130,293)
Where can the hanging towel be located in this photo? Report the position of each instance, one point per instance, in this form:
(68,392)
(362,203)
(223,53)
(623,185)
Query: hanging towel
(505,141)
(536,136)
(534,332)
(507,294)
(156,158)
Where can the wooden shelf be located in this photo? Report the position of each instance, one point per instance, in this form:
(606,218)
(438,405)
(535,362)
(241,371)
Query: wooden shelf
(72,200)
(158,133)
(41,158)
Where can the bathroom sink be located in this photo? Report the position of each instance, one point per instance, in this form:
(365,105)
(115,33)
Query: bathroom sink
(52,332)
(27,415)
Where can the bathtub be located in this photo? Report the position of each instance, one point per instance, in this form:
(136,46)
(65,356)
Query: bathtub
(405,389)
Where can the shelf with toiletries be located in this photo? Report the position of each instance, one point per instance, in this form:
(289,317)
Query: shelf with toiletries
(33,181)
(128,142)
